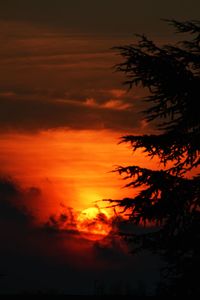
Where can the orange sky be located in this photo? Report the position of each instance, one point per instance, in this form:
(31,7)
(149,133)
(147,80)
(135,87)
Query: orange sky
(70,167)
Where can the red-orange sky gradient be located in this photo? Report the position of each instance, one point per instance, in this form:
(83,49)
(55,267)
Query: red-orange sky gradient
(71,168)
(63,110)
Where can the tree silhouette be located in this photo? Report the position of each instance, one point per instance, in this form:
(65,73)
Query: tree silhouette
(170,197)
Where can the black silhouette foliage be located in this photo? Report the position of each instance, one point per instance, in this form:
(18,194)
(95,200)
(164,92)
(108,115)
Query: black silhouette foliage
(169,198)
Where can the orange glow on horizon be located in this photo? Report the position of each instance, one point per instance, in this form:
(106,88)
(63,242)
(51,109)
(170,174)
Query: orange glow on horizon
(71,168)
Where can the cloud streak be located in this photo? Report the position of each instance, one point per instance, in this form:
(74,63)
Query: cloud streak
(53,81)
(34,114)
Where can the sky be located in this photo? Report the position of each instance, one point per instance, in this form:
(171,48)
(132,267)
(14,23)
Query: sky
(62,112)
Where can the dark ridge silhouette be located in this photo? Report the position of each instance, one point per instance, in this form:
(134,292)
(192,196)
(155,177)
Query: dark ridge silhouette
(170,198)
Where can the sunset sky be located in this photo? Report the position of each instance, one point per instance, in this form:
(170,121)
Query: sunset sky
(63,110)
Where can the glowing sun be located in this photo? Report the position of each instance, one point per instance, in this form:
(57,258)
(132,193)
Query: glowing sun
(94,223)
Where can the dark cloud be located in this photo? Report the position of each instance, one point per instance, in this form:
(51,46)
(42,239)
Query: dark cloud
(58,63)
(10,208)
(36,259)
(35,115)
(66,220)
(99,16)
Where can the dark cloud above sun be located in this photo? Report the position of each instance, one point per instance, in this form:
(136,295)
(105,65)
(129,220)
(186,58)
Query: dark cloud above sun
(21,113)
(51,81)
(56,60)
(105,16)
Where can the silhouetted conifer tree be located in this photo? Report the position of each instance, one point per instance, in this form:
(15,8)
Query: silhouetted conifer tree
(170,198)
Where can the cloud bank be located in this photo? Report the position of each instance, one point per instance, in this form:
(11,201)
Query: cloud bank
(39,260)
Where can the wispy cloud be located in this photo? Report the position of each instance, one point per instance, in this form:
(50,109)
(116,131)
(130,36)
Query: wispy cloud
(51,80)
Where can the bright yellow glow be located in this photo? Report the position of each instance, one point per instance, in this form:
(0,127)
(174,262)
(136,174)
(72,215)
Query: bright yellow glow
(89,196)
(94,223)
